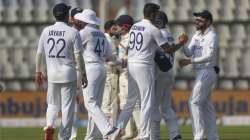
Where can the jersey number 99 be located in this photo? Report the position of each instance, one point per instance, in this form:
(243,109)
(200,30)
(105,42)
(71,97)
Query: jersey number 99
(135,40)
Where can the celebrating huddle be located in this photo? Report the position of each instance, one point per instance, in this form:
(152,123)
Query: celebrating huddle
(127,69)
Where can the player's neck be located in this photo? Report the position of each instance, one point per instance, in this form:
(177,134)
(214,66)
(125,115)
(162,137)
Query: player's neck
(64,21)
(204,30)
(148,18)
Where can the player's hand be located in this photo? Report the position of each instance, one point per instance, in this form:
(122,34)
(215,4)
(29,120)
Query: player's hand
(184,62)
(183,38)
(39,78)
(84,81)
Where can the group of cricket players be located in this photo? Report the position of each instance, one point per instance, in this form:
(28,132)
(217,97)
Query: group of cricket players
(125,92)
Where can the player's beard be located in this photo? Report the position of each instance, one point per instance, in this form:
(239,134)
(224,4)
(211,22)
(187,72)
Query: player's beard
(200,27)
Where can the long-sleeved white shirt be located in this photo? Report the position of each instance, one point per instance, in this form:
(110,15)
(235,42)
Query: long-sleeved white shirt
(59,43)
(203,49)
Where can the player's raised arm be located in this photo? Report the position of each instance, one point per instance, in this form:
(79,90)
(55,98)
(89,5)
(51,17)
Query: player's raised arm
(188,50)
(163,43)
(182,40)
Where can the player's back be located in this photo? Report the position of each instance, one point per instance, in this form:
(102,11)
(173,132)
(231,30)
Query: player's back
(143,41)
(58,42)
(95,45)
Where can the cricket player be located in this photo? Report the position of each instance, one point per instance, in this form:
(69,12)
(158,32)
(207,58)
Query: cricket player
(123,24)
(61,46)
(203,52)
(144,39)
(75,24)
(110,96)
(164,82)
(96,49)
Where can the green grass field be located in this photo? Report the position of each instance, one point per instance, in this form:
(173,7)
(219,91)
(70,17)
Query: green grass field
(226,133)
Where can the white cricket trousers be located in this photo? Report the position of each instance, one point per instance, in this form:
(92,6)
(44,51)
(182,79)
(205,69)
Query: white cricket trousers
(201,106)
(93,93)
(140,78)
(61,96)
(134,120)
(76,122)
(162,105)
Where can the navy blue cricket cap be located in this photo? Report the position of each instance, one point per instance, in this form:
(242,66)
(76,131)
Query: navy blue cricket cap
(204,14)
(61,9)
(75,11)
(124,19)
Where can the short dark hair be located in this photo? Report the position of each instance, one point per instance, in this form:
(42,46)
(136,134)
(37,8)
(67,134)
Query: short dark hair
(75,11)
(162,16)
(161,19)
(150,8)
(61,11)
(124,20)
(108,24)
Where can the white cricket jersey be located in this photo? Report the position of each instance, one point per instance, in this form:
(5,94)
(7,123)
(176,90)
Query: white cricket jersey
(144,39)
(203,49)
(166,34)
(95,45)
(59,42)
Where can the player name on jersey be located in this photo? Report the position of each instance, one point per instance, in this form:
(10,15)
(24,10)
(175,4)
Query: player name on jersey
(138,28)
(56,33)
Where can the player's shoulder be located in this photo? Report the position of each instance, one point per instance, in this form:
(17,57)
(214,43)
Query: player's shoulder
(143,25)
(63,26)
(212,33)
(90,32)
(71,29)
(149,25)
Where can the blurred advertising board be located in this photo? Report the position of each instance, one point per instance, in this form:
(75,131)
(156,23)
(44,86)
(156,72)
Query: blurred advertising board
(33,104)
(27,104)
(226,103)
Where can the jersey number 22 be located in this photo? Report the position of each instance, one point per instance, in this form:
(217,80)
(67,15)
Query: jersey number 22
(58,54)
